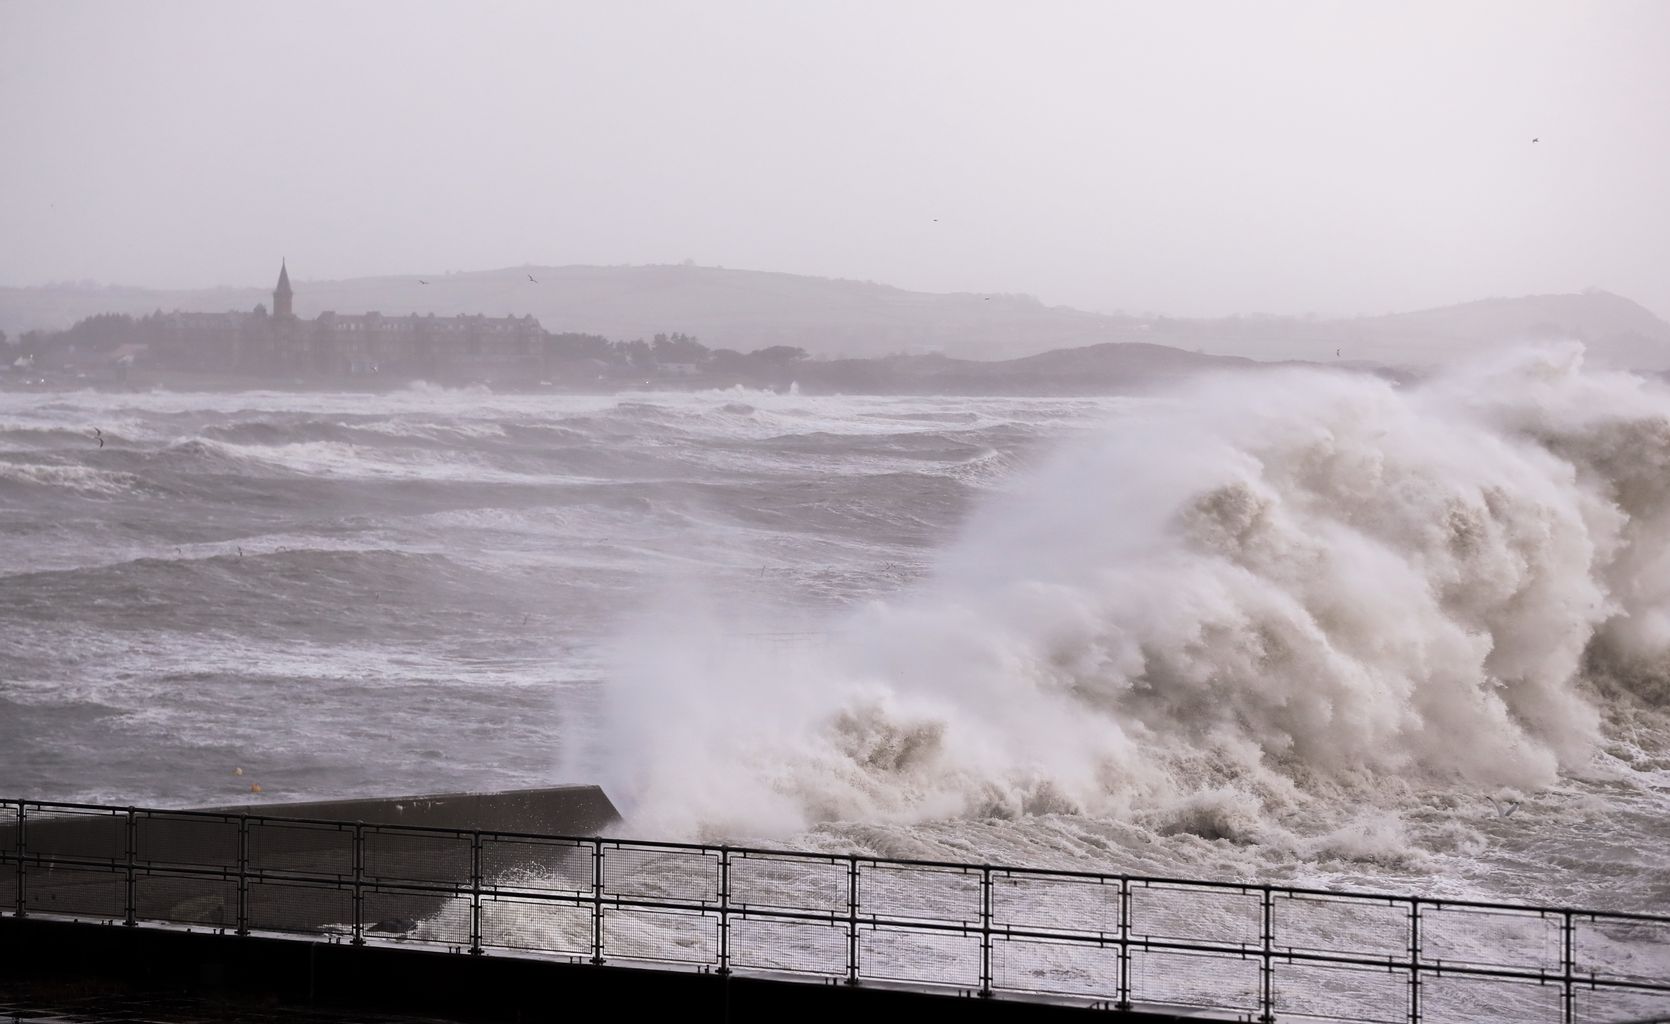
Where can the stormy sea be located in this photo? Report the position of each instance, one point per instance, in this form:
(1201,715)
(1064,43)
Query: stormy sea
(1290,625)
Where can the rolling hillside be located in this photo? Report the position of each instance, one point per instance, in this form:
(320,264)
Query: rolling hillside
(746,310)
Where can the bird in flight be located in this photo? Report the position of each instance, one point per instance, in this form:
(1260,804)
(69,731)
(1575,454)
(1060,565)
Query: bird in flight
(1538,139)
(533,279)
(98,435)
(422,281)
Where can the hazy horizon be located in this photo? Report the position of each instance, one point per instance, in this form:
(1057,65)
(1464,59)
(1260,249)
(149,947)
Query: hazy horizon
(1194,160)
(303,280)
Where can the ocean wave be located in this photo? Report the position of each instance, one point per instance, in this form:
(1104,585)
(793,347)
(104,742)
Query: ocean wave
(83,480)
(25,436)
(1278,591)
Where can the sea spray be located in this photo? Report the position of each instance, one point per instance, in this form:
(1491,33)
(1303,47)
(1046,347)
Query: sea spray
(139,652)
(1228,603)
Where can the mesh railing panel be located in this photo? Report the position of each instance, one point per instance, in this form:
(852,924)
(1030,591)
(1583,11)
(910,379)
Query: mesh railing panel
(1337,992)
(301,848)
(187,899)
(915,893)
(405,856)
(397,915)
(942,958)
(1227,917)
(668,936)
(546,926)
(1524,940)
(1056,968)
(1328,924)
(1621,950)
(276,906)
(789,883)
(1170,978)
(661,873)
(77,834)
(1611,1006)
(536,866)
(190,841)
(1457,997)
(805,947)
(89,893)
(1045,903)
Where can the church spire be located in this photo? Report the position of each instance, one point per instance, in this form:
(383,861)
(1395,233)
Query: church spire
(281,294)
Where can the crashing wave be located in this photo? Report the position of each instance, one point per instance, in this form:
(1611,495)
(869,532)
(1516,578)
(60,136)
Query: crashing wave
(1225,602)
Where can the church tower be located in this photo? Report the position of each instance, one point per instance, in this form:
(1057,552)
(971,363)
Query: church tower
(281,294)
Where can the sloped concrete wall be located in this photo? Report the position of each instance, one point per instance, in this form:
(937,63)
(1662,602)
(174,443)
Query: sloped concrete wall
(54,885)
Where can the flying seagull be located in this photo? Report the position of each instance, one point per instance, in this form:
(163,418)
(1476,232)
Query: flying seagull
(1538,139)
(422,281)
(533,279)
(1512,805)
(98,435)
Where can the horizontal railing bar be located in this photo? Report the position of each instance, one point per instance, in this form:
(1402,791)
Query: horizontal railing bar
(960,867)
(318,880)
(873,923)
(877,922)
(1220,951)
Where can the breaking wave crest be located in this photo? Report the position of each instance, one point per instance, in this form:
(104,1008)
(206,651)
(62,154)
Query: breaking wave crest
(1255,594)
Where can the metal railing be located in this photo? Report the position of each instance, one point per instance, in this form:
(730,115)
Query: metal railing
(1250,952)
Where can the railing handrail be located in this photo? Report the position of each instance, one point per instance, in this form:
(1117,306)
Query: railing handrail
(966,867)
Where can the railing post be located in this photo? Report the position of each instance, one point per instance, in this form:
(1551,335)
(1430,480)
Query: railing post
(597,901)
(724,910)
(1414,961)
(475,892)
(1267,1000)
(852,919)
(243,874)
(985,931)
(22,848)
(1124,1002)
(129,914)
(359,879)
(1568,966)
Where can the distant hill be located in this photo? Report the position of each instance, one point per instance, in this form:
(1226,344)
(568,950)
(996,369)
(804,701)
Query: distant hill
(1105,369)
(1617,332)
(738,309)
(746,310)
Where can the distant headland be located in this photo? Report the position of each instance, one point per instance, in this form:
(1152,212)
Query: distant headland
(610,328)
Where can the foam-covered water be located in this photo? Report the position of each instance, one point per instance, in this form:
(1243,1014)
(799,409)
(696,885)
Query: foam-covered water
(1305,626)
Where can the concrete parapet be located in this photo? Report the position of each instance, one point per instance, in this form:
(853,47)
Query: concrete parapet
(290,867)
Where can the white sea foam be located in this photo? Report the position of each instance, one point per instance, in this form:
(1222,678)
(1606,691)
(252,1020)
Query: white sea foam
(1245,598)
(82,479)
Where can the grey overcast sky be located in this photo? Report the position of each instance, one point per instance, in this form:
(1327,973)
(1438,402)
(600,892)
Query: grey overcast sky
(1184,157)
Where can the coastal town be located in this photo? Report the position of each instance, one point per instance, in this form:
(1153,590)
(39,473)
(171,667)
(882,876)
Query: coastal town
(273,344)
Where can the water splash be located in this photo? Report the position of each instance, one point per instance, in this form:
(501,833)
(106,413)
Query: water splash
(1252,596)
